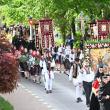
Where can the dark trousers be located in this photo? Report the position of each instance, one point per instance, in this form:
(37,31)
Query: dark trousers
(87,88)
(94,104)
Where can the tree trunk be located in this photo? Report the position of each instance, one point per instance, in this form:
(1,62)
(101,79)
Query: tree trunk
(63,32)
(73,27)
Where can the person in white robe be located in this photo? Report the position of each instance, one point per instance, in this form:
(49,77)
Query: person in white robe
(76,76)
(43,66)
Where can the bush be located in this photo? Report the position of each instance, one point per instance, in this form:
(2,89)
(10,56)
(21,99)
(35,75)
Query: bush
(5,105)
(8,67)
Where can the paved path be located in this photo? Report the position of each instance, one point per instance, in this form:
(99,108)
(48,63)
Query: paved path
(32,96)
(63,96)
(21,99)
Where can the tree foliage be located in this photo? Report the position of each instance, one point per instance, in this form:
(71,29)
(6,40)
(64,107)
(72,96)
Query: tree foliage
(63,12)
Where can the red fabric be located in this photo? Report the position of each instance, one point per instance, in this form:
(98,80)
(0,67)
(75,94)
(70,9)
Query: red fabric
(47,32)
(37,37)
(100,24)
(95,84)
(34,53)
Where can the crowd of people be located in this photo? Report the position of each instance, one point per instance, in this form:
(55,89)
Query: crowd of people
(40,66)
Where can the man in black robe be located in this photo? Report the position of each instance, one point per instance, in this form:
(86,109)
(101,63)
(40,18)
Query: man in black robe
(104,93)
(94,104)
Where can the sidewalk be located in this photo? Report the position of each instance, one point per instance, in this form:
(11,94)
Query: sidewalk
(23,100)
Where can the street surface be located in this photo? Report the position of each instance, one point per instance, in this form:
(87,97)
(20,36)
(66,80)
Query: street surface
(63,96)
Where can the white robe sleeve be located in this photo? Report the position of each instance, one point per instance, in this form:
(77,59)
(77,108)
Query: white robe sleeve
(53,63)
(80,77)
(52,74)
(70,74)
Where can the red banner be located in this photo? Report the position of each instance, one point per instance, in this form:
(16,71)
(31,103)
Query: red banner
(37,36)
(47,33)
(103,27)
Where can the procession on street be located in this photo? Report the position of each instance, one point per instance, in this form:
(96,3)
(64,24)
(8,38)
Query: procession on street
(86,67)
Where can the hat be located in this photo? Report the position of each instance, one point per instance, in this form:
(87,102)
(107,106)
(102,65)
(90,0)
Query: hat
(106,76)
(100,66)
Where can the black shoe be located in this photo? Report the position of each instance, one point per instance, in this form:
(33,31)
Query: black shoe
(77,100)
(80,100)
(40,82)
(50,91)
(26,77)
(88,105)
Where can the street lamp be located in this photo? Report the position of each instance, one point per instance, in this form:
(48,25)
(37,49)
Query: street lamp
(30,23)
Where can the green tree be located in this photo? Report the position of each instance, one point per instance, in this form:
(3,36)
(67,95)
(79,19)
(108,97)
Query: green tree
(63,12)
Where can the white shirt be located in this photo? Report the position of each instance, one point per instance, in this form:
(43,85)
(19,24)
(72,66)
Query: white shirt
(43,64)
(81,56)
(88,77)
(59,50)
(79,78)
(67,51)
(71,57)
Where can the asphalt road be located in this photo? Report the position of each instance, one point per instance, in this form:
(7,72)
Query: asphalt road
(63,96)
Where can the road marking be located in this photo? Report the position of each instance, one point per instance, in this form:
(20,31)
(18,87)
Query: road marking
(29,91)
(49,106)
(35,96)
(45,103)
(41,100)
(21,85)
(26,89)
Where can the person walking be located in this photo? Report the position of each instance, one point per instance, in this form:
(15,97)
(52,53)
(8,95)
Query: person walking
(88,77)
(77,79)
(104,93)
(49,76)
(43,67)
(94,104)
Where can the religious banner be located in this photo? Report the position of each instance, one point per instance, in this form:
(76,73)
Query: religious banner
(46,33)
(37,36)
(103,27)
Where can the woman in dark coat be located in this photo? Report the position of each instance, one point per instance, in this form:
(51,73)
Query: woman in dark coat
(104,93)
(94,104)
